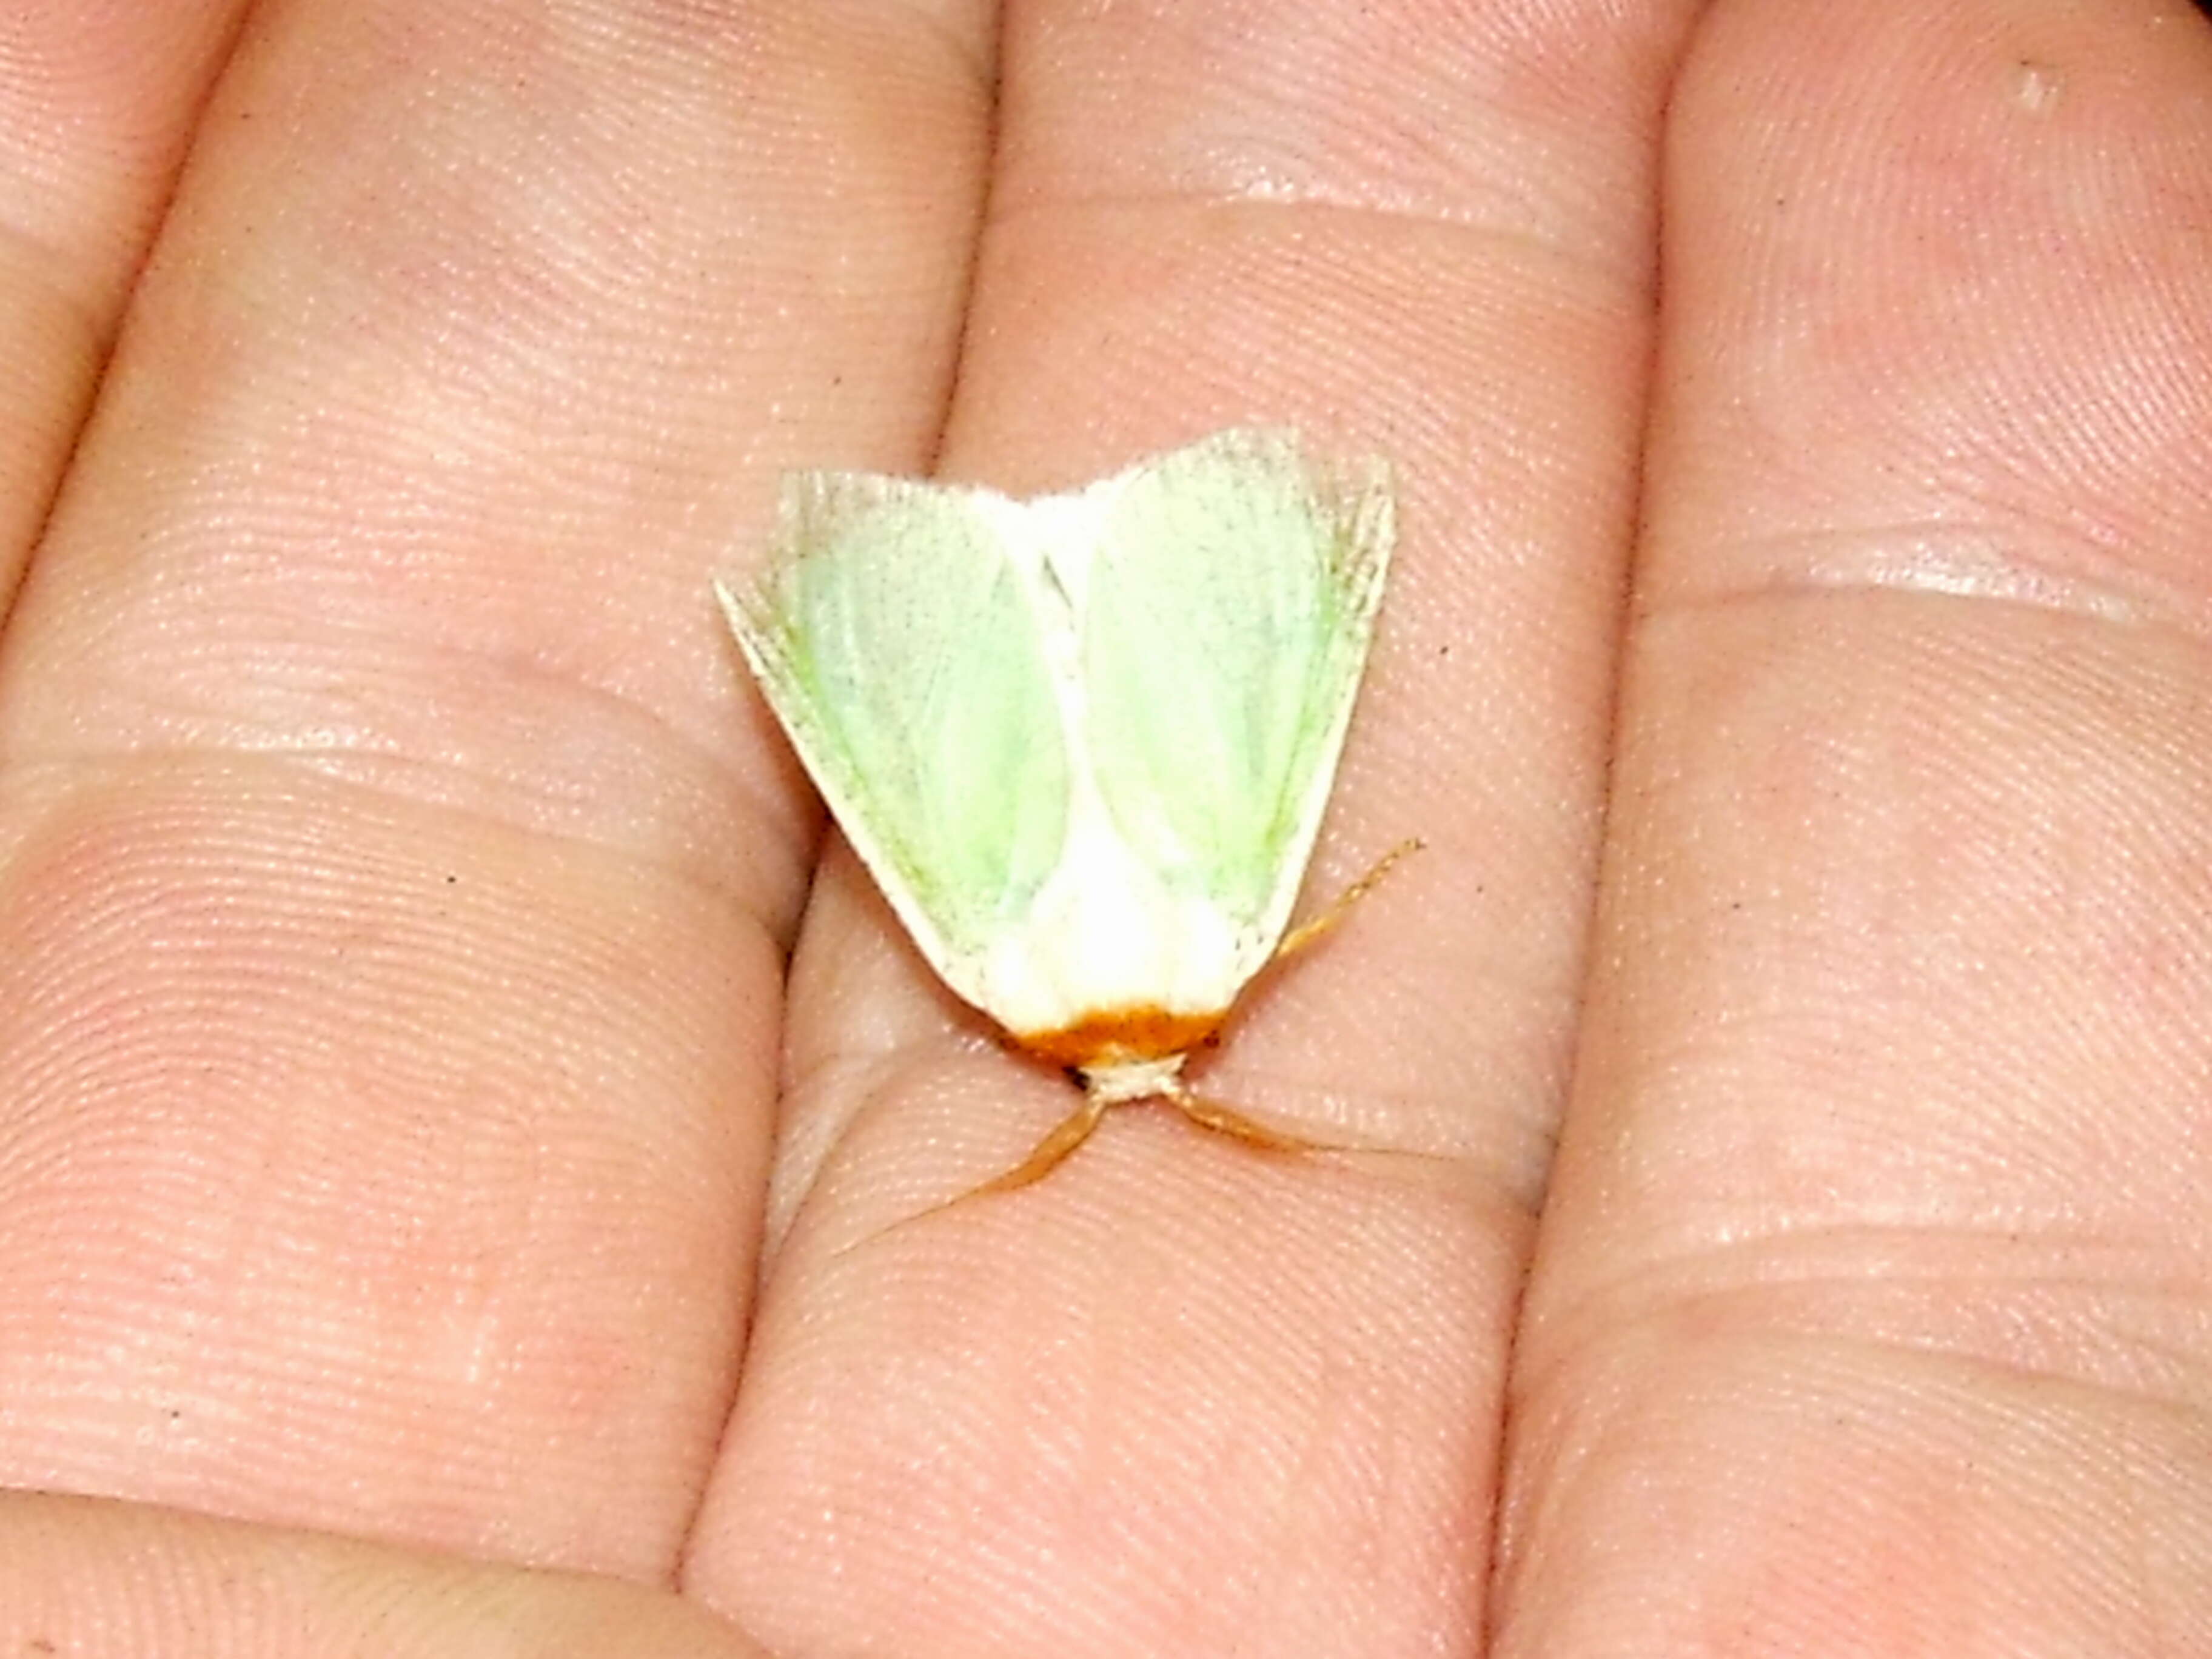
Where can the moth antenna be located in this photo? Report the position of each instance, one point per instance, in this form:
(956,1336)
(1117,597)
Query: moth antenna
(1048,1155)
(1218,1119)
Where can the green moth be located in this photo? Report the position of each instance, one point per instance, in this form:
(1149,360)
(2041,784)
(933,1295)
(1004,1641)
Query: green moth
(1083,742)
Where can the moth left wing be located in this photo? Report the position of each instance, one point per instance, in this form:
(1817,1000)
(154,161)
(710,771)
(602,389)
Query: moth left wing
(895,642)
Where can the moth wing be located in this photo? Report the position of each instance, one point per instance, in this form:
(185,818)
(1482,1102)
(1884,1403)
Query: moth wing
(899,649)
(1229,607)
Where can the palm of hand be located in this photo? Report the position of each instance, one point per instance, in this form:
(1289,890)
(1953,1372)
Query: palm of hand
(412,1168)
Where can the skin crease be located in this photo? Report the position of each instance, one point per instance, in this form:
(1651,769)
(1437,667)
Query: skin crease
(431,1224)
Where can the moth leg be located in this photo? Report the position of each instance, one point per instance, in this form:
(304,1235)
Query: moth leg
(1340,907)
(1222,1119)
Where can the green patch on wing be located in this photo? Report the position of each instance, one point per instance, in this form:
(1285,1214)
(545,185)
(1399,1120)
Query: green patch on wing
(1228,611)
(895,641)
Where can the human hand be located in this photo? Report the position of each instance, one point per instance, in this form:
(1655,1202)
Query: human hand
(1791,663)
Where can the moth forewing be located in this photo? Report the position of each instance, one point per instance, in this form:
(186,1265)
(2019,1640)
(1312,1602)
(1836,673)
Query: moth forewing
(1228,623)
(895,647)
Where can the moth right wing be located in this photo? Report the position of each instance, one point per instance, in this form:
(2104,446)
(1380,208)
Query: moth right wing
(1231,604)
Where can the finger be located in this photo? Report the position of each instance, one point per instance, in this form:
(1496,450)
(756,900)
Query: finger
(394,868)
(98,1580)
(96,107)
(1869,1314)
(1178,1396)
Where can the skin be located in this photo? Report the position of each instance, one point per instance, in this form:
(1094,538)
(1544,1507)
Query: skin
(432,1221)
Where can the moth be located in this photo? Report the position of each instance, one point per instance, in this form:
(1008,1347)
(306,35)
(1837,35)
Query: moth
(1084,742)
